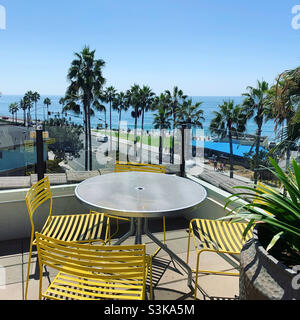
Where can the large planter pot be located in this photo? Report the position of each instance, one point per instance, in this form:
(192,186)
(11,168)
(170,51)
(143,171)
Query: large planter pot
(262,277)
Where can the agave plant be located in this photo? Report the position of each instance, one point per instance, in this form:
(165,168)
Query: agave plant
(277,210)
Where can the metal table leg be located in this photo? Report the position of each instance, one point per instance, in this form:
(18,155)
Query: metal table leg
(138,232)
(128,234)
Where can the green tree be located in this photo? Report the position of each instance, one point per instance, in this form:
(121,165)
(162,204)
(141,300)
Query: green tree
(133,96)
(67,139)
(176,97)
(13,108)
(28,99)
(162,119)
(86,82)
(47,103)
(23,106)
(108,96)
(35,98)
(229,120)
(286,95)
(256,105)
(120,103)
(146,97)
(188,116)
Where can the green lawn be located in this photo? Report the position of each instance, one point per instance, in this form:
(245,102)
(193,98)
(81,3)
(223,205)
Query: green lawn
(153,141)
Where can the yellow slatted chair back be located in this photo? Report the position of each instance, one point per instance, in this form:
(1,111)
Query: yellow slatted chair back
(121,166)
(222,236)
(93,271)
(264,188)
(37,195)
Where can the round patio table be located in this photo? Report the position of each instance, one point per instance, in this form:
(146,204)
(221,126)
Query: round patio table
(140,196)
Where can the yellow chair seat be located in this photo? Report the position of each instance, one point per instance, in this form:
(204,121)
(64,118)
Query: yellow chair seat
(78,227)
(216,236)
(90,272)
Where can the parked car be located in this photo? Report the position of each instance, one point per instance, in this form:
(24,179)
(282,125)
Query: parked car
(102,139)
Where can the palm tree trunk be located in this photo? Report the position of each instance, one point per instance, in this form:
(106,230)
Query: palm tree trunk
(256,162)
(288,151)
(149,148)
(231,152)
(110,127)
(160,146)
(135,135)
(118,152)
(142,132)
(90,140)
(24,117)
(173,139)
(105,121)
(182,164)
(86,141)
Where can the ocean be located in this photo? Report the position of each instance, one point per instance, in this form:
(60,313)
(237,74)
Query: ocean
(209,104)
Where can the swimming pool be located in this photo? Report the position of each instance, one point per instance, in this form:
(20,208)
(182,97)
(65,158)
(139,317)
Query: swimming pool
(238,149)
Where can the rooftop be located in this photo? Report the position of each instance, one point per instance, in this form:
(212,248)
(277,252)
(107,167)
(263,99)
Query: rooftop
(169,279)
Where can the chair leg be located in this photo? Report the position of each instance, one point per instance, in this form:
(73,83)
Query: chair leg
(196,278)
(189,245)
(164,241)
(151,289)
(28,270)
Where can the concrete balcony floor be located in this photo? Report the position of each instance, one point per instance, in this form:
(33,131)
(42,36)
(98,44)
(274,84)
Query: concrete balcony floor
(169,279)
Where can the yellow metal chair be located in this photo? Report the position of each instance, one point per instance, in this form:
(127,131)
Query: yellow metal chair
(216,236)
(122,166)
(92,272)
(93,226)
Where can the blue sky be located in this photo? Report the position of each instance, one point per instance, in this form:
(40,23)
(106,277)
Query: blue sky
(211,47)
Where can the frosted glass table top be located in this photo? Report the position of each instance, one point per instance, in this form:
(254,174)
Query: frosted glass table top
(140,194)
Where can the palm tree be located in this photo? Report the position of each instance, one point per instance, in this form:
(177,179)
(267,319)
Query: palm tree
(11,109)
(229,120)
(256,104)
(23,106)
(47,102)
(286,99)
(35,98)
(188,115)
(16,109)
(176,97)
(133,96)
(101,108)
(120,104)
(86,81)
(28,100)
(108,96)
(146,97)
(162,119)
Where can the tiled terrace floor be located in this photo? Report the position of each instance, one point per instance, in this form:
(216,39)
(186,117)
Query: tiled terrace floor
(170,279)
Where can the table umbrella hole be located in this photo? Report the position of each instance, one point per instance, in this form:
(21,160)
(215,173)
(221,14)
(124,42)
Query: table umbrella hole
(140,188)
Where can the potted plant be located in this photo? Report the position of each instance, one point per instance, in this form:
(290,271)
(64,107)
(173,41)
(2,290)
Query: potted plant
(271,259)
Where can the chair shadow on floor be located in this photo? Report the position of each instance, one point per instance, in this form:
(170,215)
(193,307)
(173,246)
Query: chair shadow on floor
(159,267)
